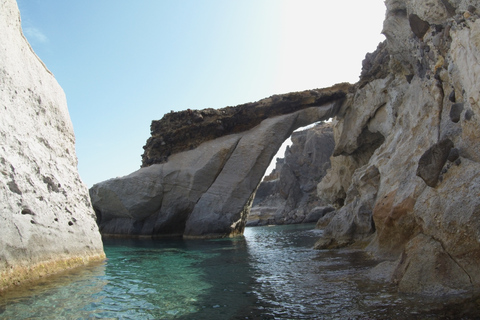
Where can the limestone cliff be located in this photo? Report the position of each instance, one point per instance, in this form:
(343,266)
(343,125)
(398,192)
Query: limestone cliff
(47,222)
(289,194)
(206,167)
(405,174)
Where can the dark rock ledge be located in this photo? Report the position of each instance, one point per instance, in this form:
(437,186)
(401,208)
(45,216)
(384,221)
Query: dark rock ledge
(186,130)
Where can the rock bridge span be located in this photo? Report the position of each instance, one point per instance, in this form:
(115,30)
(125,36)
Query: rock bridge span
(201,168)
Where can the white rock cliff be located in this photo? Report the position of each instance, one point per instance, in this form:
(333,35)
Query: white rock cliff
(412,196)
(47,223)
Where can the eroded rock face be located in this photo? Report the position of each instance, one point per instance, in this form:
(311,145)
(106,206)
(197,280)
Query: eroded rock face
(289,194)
(415,182)
(207,191)
(47,222)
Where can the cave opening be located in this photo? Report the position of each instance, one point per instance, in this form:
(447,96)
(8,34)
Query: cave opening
(288,191)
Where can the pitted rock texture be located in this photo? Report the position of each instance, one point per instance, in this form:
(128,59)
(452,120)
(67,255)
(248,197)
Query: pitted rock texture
(47,221)
(208,191)
(411,194)
(185,130)
(288,194)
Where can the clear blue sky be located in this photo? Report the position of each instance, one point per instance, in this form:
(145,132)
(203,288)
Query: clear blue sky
(125,63)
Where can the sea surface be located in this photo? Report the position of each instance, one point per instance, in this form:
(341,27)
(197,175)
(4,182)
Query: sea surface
(269,273)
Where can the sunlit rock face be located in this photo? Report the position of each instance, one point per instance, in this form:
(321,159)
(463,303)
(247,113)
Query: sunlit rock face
(405,174)
(206,167)
(288,194)
(47,222)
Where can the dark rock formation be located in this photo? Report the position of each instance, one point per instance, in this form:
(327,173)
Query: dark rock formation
(186,130)
(418,26)
(375,65)
(432,161)
(456,111)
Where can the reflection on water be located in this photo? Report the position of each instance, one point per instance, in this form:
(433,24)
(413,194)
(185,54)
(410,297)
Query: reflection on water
(270,273)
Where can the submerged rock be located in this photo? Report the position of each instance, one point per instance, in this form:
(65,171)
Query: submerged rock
(47,221)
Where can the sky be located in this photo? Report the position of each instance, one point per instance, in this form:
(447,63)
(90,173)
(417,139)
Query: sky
(124,63)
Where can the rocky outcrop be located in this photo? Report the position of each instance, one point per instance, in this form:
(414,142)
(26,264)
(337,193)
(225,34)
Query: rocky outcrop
(47,222)
(405,171)
(288,195)
(206,187)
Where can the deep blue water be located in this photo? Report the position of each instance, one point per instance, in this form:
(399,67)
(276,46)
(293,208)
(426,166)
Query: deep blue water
(270,273)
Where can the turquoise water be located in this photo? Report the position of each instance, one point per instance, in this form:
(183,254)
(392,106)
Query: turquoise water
(270,273)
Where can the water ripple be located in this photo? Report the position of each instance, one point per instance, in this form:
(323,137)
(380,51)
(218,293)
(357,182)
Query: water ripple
(270,273)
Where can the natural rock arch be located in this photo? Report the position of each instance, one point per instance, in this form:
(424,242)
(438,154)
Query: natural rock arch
(201,168)
(405,169)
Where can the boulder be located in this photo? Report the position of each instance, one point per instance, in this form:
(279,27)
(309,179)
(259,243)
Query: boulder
(317,213)
(48,223)
(432,161)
